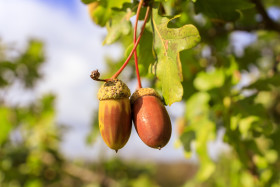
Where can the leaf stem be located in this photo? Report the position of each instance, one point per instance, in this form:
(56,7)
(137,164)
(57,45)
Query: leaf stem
(135,45)
(134,41)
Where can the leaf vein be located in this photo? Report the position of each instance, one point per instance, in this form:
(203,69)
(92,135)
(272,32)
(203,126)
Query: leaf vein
(162,40)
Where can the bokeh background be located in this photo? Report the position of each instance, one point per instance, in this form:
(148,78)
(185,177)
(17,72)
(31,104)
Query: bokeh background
(48,103)
(72,48)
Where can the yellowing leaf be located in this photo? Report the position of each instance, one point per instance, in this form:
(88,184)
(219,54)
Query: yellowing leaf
(168,42)
(172,89)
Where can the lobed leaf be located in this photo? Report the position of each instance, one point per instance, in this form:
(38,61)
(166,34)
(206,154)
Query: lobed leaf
(168,42)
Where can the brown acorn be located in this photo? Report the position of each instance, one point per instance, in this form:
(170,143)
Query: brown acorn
(114,113)
(150,118)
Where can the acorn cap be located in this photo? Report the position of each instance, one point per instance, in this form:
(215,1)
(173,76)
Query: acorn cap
(143,92)
(114,89)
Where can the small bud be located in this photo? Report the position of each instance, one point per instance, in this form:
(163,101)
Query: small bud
(95,75)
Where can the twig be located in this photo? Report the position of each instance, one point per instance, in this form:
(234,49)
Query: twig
(135,45)
(134,41)
(269,23)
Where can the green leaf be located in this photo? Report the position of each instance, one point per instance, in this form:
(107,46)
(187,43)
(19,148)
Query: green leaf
(207,81)
(246,123)
(117,4)
(172,89)
(109,3)
(145,51)
(248,18)
(205,131)
(34,183)
(197,115)
(206,169)
(232,71)
(234,122)
(168,42)
(221,9)
(197,105)
(186,138)
(88,1)
(29,63)
(101,11)
(6,125)
(118,26)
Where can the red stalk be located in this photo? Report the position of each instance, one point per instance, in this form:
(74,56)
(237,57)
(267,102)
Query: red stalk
(134,41)
(135,45)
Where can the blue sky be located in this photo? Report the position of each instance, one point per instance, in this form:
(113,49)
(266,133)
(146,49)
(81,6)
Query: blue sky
(69,5)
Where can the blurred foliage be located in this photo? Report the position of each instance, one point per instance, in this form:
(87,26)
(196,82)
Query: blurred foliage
(228,84)
(225,87)
(30,138)
(23,69)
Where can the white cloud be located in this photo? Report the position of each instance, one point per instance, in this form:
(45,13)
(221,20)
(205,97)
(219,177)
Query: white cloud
(73,48)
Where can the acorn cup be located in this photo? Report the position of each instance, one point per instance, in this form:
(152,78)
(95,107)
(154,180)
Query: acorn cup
(114,113)
(150,118)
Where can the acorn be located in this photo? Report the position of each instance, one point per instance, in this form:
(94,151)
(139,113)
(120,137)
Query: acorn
(150,118)
(114,113)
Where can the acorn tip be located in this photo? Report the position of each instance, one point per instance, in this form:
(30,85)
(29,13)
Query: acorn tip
(116,150)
